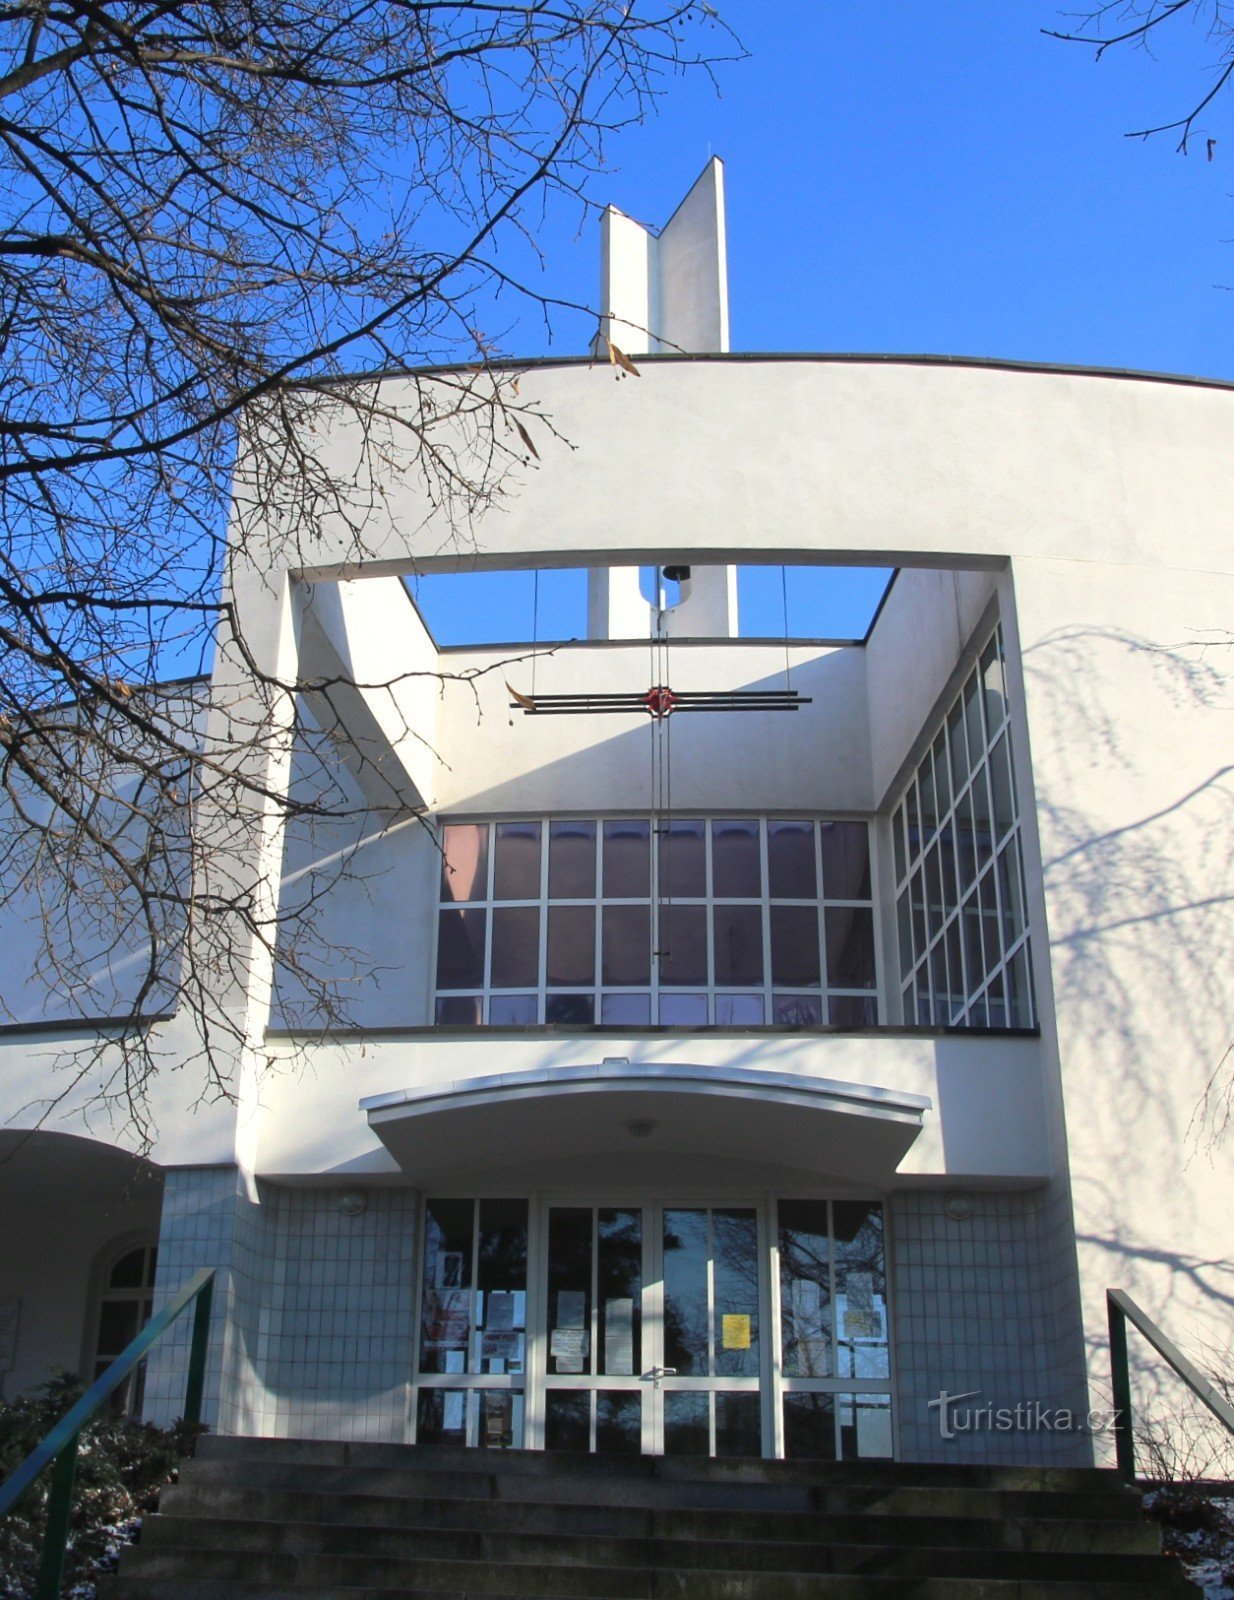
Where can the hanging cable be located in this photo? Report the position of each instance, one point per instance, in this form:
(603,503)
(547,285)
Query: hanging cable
(535,627)
(788,681)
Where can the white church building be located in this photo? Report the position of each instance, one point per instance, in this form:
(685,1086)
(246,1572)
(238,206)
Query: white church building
(766,1035)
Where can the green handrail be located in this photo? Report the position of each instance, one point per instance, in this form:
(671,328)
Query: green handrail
(60,1445)
(1121,1309)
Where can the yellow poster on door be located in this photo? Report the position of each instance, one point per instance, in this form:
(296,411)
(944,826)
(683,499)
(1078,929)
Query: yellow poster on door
(735,1332)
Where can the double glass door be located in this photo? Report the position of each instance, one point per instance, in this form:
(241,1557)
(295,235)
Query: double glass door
(695,1329)
(653,1317)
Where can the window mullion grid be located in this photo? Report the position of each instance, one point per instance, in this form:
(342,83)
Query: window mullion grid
(820,889)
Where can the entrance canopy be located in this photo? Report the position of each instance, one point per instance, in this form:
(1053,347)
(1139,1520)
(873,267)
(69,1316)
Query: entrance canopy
(556,1115)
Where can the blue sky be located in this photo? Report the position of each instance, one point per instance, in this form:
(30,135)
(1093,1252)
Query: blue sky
(913,178)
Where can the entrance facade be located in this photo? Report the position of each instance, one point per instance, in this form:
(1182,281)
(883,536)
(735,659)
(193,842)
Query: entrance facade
(745,1327)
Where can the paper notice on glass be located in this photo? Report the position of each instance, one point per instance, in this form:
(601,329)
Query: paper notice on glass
(447,1318)
(500,1310)
(862,1323)
(569,1347)
(452,1419)
(501,1344)
(571,1308)
(735,1331)
(619,1338)
(456,1361)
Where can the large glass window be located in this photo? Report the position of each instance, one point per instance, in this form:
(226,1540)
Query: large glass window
(965,960)
(682,922)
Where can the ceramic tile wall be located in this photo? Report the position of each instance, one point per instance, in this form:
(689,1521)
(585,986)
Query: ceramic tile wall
(987,1303)
(312,1319)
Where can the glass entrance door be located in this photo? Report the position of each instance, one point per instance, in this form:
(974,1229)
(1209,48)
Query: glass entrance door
(653,1319)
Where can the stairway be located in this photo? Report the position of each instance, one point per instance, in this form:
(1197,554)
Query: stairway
(278,1519)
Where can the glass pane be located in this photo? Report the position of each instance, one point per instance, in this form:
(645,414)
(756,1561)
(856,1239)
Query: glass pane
(1019,997)
(809,1427)
(569,1289)
(461,1010)
(904,926)
(1009,889)
(118,1325)
(626,1010)
(1000,783)
(567,1419)
(683,944)
(128,1271)
(501,1419)
(850,947)
(860,1290)
(993,682)
(445,1322)
(578,1010)
(501,1305)
(805,1292)
(790,861)
(572,861)
(739,1011)
(865,1426)
(736,859)
(685,1293)
(571,945)
(683,1010)
(957,744)
(936,905)
(441,1417)
(846,860)
(626,949)
(897,841)
(516,947)
(464,861)
(965,834)
(460,949)
(929,810)
(852,1010)
(942,774)
(738,934)
(797,1010)
(516,863)
(983,825)
(687,1426)
(627,859)
(739,1425)
(734,1243)
(619,1291)
(513,1010)
(972,720)
(619,1423)
(794,945)
(683,861)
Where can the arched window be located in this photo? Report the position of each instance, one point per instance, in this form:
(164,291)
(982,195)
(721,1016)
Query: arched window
(125,1306)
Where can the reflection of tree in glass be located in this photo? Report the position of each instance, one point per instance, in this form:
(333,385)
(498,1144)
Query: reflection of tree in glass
(685,1292)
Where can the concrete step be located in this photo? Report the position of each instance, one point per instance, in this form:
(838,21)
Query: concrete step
(308,1520)
(510,1551)
(1128,1535)
(836,1587)
(546,1463)
(831,1495)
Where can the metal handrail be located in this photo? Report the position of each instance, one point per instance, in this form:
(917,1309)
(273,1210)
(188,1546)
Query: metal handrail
(1121,1309)
(60,1445)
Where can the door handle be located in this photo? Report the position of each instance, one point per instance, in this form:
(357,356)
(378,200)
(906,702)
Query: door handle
(656,1373)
